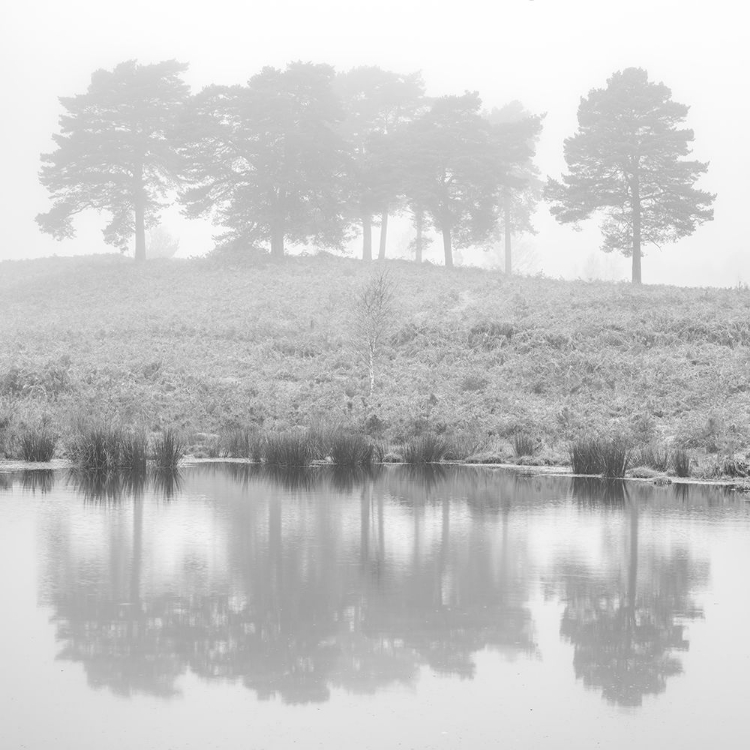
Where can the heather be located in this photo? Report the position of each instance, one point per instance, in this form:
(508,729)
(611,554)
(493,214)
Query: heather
(241,342)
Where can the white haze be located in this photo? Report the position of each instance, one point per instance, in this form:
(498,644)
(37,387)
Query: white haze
(546,53)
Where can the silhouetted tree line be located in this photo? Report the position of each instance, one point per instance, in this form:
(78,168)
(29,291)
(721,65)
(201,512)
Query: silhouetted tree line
(306,155)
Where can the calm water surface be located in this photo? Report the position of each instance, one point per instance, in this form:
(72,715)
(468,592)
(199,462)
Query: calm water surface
(464,608)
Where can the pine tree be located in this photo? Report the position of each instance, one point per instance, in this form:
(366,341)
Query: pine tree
(627,162)
(115,152)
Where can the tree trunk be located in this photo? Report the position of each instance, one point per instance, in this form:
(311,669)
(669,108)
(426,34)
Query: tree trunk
(366,236)
(636,196)
(139,205)
(506,222)
(277,240)
(447,248)
(383,234)
(419,226)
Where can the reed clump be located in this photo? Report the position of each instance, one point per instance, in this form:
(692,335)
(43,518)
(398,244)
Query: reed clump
(289,449)
(681,462)
(241,442)
(653,455)
(37,444)
(169,449)
(133,450)
(97,447)
(609,457)
(425,449)
(523,444)
(352,449)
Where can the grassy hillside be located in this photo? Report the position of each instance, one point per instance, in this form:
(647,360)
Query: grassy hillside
(204,344)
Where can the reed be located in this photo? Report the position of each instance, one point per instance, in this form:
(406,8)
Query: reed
(351,449)
(425,449)
(681,462)
(37,444)
(169,449)
(96,447)
(133,450)
(289,449)
(523,444)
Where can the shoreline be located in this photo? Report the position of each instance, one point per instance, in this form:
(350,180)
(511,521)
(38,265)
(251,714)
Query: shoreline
(7,466)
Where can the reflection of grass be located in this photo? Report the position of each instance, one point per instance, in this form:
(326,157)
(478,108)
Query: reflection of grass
(42,480)
(592,490)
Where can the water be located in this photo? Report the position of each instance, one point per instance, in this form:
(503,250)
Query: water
(466,608)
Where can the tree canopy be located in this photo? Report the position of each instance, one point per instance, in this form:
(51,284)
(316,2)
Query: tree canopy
(115,152)
(265,160)
(627,162)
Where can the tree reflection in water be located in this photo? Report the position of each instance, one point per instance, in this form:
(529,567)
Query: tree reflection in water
(356,583)
(627,623)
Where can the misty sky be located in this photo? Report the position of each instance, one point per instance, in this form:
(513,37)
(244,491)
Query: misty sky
(546,53)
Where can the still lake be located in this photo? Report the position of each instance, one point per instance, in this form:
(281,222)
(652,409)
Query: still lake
(452,608)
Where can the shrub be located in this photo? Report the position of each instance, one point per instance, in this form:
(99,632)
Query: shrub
(169,449)
(37,444)
(424,449)
(290,449)
(681,463)
(523,444)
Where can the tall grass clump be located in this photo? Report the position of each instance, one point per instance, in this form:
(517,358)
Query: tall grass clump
(610,457)
(585,456)
(133,450)
(241,443)
(523,444)
(96,447)
(681,462)
(425,449)
(652,455)
(37,444)
(289,449)
(351,449)
(616,454)
(169,449)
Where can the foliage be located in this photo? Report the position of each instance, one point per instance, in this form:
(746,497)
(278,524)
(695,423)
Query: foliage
(652,455)
(115,152)
(96,447)
(264,160)
(377,104)
(627,162)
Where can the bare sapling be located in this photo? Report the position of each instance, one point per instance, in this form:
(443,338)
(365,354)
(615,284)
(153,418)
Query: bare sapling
(373,320)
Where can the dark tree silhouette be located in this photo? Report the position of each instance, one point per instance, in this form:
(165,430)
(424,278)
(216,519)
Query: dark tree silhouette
(115,152)
(627,162)
(265,160)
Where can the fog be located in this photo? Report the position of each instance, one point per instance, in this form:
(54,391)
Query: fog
(546,54)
